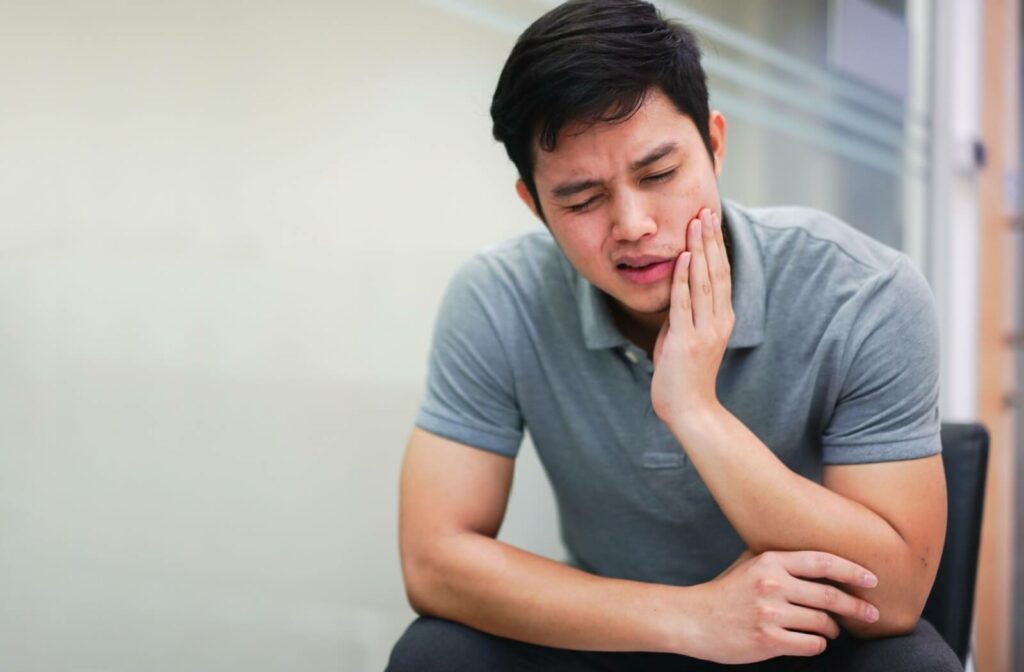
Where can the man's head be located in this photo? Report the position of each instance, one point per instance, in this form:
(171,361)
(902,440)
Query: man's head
(603,108)
(593,60)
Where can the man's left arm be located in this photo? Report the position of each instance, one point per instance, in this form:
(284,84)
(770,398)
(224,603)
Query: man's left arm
(888,516)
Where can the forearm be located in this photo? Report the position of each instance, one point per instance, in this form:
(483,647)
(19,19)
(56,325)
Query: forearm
(773,508)
(503,590)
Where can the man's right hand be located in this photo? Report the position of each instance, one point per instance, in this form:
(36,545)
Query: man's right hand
(775,604)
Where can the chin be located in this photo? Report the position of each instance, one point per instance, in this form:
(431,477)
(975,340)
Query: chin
(649,307)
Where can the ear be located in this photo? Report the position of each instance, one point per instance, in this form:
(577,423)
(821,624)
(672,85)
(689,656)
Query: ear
(527,198)
(716,131)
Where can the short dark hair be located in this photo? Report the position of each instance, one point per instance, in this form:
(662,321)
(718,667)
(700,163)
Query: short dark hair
(593,61)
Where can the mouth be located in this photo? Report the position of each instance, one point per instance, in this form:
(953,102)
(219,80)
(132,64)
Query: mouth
(644,271)
(639,261)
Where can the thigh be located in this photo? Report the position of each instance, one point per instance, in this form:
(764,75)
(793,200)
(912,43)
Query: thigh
(664,662)
(919,651)
(433,644)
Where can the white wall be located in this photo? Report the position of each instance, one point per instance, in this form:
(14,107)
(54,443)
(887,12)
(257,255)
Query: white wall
(224,231)
(225,227)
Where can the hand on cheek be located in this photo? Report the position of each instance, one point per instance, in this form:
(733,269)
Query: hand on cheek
(690,347)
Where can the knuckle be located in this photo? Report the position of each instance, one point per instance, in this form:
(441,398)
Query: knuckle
(767,586)
(823,561)
(764,613)
(705,287)
(830,595)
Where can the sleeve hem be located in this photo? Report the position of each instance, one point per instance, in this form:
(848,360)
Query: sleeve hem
(505,445)
(884,451)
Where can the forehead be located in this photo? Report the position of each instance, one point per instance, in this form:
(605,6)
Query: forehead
(588,147)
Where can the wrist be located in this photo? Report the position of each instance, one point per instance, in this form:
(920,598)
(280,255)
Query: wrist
(677,615)
(696,418)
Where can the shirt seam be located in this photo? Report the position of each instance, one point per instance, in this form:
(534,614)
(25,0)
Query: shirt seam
(803,231)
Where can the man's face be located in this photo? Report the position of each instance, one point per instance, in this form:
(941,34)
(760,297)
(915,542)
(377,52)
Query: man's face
(618,198)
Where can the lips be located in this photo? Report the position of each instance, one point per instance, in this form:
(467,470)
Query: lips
(650,270)
(640,261)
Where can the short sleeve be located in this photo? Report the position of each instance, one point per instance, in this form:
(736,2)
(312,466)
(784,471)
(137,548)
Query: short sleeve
(888,404)
(470,393)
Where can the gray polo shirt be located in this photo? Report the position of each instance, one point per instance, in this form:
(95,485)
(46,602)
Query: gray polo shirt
(833,360)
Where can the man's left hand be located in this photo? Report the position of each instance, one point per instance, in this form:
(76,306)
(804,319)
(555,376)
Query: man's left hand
(692,341)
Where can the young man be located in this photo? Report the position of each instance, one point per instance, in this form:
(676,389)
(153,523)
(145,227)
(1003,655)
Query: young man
(737,408)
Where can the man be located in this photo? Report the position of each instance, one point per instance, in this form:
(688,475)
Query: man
(737,409)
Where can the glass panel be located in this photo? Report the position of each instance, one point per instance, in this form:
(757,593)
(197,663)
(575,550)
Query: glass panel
(800,131)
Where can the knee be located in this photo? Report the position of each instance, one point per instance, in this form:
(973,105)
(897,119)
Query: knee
(433,644)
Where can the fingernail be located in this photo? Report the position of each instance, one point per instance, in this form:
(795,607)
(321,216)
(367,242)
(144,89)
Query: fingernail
(869,580)
(872,614)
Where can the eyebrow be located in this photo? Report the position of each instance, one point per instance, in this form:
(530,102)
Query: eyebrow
(659,152)
(570,188)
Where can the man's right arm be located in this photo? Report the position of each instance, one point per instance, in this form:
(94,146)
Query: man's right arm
(453,500)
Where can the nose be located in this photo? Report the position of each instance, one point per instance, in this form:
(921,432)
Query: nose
(631,221)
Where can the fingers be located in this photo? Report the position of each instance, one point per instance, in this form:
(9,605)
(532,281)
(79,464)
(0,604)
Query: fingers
(822,565)
(700,233)
(797,643)
(829,598)
(718,266)
(810,620)
(680,315)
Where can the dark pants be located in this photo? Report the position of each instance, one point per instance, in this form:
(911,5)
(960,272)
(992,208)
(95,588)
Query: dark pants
(431,644)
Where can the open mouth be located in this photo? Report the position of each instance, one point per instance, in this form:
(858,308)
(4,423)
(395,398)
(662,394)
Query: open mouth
(646,273)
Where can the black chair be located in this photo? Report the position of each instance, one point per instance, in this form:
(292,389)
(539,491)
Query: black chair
(950,605)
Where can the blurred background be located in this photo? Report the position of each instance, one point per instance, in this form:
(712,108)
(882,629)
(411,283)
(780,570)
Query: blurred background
(225,228)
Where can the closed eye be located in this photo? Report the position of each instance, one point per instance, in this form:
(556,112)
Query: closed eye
(584,206)
(660,177)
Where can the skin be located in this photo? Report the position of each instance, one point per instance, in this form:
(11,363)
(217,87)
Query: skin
(842,552)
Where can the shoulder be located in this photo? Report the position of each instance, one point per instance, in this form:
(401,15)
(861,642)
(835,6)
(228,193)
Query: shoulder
(507,287)
(804,231)
(516,266)
(810,251)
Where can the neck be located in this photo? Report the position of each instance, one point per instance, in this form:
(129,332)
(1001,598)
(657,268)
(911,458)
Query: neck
(640,328)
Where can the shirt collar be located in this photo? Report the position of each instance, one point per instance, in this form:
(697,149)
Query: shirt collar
(748,291)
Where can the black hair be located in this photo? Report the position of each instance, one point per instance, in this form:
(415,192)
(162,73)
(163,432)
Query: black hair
(593,61)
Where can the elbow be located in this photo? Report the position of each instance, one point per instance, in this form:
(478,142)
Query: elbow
(416,574)
(899,612)
(416,598)
(893,622)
